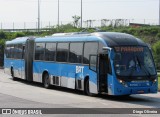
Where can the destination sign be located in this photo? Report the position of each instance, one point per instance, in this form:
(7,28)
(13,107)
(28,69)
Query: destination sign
(129,49)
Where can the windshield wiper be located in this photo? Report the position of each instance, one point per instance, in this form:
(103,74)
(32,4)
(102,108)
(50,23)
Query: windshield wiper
(144,68)
(132,68)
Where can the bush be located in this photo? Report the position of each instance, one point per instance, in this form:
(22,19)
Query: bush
(18,34)
(2,35)
(2,42)
(158,36)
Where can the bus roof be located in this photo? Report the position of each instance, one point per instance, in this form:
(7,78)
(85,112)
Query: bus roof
(120,39)
(108,38)
(18,40)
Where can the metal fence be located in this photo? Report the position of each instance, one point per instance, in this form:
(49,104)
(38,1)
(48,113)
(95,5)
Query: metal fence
(11,26)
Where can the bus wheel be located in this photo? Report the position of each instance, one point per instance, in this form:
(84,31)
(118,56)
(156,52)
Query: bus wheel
(46,81)
(86,88)
(12,74)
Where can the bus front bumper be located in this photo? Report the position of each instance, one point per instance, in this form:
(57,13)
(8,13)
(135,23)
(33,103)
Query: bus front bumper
(135,90)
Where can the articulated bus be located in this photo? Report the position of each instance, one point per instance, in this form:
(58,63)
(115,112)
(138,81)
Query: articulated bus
(96,63)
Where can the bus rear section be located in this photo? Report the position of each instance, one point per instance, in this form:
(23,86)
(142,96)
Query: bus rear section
(14,58)
(18,58)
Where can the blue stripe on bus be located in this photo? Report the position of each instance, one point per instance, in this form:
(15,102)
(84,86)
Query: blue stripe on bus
(56,69)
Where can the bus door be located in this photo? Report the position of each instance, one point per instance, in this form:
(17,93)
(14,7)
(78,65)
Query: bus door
(103,72)
(93,74)
(99,69)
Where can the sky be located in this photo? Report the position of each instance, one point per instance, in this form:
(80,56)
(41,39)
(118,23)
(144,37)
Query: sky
(27,10)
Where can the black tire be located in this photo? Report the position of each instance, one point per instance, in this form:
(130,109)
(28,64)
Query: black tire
(86,88)
(12,74)
(46,81)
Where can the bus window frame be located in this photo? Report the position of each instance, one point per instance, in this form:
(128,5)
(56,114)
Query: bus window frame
(55,52)
(93,55)
(35,51)
(23,51)
(56,42)
(67,52)
(90,54)
(82,52)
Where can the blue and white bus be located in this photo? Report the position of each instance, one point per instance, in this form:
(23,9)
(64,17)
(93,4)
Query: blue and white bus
(96,63)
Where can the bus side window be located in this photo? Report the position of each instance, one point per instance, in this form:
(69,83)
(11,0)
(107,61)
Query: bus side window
(15,52)
(12,51)
(50,51)
(90,48)
(76,52)
(19,51)
(7,51)
(62,52)
(39,51)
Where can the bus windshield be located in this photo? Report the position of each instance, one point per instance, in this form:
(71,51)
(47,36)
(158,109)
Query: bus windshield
(134,61)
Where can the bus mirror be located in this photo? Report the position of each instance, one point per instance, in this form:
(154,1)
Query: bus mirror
(112,54)
(111,51)
(149,46)
(107,48)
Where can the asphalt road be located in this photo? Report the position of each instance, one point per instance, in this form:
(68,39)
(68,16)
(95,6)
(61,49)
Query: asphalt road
(21,94)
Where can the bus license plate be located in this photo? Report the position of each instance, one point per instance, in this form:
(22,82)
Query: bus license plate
(141,91)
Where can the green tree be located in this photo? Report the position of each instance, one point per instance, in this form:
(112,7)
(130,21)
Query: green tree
(76,20)
(2,35)
(18,34)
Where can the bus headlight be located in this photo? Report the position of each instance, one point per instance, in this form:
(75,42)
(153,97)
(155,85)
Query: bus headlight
(155,80)
(123,83)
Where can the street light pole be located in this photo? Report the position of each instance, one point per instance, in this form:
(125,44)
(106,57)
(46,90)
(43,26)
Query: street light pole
(81,14)
(38,16)
(58,13)
(159,12)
